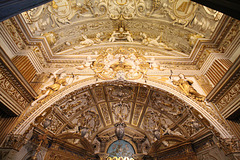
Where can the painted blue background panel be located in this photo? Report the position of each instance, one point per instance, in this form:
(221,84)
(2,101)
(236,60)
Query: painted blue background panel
(121,148)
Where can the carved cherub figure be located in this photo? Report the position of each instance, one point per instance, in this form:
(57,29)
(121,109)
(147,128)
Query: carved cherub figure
(121,33)
(98,40)
(86,41)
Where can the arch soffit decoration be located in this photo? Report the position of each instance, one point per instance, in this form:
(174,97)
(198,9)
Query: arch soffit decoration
(90,84)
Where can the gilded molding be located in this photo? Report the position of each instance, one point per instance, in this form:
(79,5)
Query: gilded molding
(195,56)
(13,83)
(226,83)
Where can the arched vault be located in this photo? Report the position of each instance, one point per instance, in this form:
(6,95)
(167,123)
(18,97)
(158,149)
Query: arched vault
(145,107)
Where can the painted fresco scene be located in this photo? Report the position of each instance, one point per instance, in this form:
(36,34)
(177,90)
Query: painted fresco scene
(120,150)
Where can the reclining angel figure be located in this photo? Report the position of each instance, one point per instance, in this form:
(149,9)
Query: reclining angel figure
(54,83)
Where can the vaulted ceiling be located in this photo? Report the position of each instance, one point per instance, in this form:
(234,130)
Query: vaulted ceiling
(142,108)
(96,63)
(64,24)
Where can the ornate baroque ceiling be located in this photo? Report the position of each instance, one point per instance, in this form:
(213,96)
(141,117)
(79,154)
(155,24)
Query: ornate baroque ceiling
(161,30)
(144,109)
(76,47)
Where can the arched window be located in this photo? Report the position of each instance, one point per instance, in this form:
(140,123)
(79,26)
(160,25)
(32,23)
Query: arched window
(120,150)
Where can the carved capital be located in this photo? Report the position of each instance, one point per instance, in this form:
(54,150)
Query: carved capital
(103,156)
(138,156)
(14,141)
(139,139)
(103,139)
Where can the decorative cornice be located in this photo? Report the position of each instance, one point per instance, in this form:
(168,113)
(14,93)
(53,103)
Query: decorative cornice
(14,85)
(226,83)
(197,55)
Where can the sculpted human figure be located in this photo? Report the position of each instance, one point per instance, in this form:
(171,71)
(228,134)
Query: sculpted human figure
(186,86)
(58,81)
(86,41)
(113,37)
(121,34)
(154,42)
(98,40)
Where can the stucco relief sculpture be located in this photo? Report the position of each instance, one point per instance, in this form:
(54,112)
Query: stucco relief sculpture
(167,105)
(192,125)
(88,120)
(87,42)
(121,109)
(186,86)
(54,83)
(154,42)
(159,125)
(51,38)
(193,38)
(85,124)
(168,131)
(121,34)
(121,63)
(75,104)
(49,17)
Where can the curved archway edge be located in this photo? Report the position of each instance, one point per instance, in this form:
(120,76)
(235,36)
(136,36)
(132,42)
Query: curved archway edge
(37,110)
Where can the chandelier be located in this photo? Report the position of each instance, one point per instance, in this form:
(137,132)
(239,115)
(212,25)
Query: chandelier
(120,63)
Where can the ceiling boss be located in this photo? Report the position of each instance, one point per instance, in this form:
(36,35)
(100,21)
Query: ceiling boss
(120,63)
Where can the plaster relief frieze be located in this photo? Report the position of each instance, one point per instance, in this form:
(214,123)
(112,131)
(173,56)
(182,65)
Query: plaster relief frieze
(137,112)
(9,88)
(55,123)
(60,13)
(76,104)
(192,126)
(15,35)
(234,31)
(70,62)
(229,97)
(79,37)
(167,105)
(105,113)
(93,22)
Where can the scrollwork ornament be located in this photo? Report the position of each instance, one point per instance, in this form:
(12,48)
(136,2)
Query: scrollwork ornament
(121,64)
(183,11)
(89,120)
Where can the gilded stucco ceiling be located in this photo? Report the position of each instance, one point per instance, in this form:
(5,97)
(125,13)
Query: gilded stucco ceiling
(100,63)
(143,109)
(81,27)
